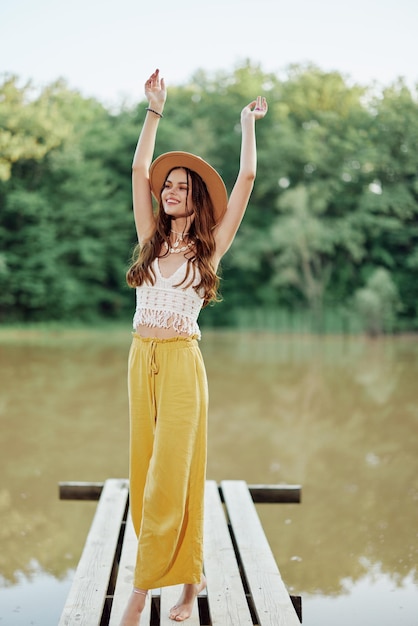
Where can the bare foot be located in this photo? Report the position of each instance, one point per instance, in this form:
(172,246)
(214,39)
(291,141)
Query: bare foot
(183,609)
(134,608)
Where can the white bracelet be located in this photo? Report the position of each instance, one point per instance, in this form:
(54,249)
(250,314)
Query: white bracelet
(140,592)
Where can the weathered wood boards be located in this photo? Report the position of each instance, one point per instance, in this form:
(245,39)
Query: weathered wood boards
(86,600)
(270,597)
(226,595)
(244,585)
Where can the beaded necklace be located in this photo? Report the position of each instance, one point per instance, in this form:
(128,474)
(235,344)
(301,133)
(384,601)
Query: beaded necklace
(174,249)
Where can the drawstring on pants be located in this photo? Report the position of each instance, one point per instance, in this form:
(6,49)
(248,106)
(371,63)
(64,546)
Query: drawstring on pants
(153,365)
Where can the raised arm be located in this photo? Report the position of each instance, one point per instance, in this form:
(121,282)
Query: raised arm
(241,192)
(156,94)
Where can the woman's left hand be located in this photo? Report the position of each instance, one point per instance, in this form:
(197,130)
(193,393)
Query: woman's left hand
(256,109)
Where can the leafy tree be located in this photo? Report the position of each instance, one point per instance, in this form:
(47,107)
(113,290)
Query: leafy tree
(29,127)
(61,251)
(378,302)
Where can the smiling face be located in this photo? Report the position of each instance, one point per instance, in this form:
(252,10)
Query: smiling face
(176,195)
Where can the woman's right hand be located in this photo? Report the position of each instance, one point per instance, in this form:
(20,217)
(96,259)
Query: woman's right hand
(155,91)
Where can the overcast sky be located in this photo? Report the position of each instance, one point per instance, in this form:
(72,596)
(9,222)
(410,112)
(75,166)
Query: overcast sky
(106,49)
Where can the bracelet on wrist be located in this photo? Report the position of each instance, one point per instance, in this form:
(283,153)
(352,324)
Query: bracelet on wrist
(152,111)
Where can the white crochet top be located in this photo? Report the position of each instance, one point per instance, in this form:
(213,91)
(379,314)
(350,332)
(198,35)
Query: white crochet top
(163,305)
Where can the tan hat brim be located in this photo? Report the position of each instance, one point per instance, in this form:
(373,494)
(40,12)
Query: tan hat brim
(214,183)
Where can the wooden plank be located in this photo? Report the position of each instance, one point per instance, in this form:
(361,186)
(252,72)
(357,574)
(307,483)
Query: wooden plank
(270,596)
(286,494)
(228,605)
(169,597)
(85,601)
(125,579)
(276,494)
(73,490)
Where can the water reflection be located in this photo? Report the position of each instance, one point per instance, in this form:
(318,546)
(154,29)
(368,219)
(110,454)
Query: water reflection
(338,415)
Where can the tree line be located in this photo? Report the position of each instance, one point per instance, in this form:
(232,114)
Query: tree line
(331,232)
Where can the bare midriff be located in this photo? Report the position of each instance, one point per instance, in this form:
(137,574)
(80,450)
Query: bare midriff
(159,333)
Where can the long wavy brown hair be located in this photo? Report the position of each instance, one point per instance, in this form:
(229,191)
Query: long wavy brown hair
(200,231)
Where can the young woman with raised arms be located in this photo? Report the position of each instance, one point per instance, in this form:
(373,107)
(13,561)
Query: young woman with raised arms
(174,274)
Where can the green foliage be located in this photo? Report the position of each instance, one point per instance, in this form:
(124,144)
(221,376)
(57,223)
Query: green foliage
(29,128)
(332,224)
(378,302)
(65,210)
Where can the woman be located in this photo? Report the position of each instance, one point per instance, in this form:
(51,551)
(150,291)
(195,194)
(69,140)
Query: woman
(174,274)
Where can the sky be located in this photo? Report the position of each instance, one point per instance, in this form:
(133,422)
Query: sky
(107,48)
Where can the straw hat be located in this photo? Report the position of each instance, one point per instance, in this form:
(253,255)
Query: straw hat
(214,183)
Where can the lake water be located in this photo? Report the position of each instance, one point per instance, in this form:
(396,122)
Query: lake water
(338,415)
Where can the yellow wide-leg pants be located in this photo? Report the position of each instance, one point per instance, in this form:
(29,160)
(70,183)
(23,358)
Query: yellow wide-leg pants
(168,402)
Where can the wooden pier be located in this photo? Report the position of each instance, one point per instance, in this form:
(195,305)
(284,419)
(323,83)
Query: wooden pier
(244,585)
